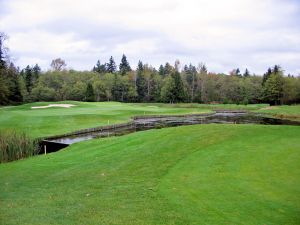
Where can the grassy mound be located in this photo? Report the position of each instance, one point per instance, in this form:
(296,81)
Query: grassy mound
(202,174)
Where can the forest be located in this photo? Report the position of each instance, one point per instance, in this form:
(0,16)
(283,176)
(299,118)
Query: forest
(120,82)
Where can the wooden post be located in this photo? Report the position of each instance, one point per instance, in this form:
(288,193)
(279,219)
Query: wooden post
(45,149)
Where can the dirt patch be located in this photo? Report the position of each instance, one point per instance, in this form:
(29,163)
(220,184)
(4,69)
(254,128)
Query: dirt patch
(53,105)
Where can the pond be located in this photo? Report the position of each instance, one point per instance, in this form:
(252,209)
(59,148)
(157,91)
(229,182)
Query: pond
(157,122)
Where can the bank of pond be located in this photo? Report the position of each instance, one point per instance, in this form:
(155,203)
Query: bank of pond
(17,145)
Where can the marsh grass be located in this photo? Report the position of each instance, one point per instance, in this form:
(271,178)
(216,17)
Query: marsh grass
(16,145)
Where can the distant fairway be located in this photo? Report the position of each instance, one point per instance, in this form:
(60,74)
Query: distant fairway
(57,120)
(201,174)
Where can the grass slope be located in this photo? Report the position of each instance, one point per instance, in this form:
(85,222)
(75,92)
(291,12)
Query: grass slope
(202,174)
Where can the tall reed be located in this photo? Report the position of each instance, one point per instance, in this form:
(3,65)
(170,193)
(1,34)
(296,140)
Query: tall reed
(16,145)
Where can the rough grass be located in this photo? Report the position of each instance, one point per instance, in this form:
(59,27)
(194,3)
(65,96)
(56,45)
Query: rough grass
(202,174)
(16,145)
(285,111)
(57,120)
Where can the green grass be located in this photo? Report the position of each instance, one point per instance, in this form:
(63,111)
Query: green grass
(54,121)
(248,107)
(284,111)
(16,145)
(202,174)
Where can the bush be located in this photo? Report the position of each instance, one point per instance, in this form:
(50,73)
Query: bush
(16,145)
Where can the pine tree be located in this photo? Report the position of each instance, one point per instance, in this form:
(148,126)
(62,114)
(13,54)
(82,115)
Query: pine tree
(178,90)
(202,68)
(89,93)
(168,69)
(161,70)
(238,72)
(266,76)
(111,66)
(36,70)
(28,78)
(4,87)
(4,92)
(246,74)
(124,66)
(140,81)
(15,89)
(3,37)
(276,69)
(99,68)
(191,76)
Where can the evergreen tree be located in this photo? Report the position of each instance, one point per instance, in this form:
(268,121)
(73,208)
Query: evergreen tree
(203,69)
(161,70)
(99,68)
(168,69)
(3,87)
(28,78)
(192,80)
(246,74)
(14,85)
(179,94)
(266,76)
(111,66)
(36,70)
(124,66)
(140,82)
(4,92)
(140,66)
(3,37)
(276,69)
(89,93)
(238,72)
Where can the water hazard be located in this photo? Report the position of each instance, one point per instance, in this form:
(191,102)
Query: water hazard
(156,122)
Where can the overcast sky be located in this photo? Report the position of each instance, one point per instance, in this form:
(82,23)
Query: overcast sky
(224,34)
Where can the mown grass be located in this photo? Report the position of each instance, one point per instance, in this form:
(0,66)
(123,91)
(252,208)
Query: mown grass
(212,107)
(16,145)
(54,121)
(202,174)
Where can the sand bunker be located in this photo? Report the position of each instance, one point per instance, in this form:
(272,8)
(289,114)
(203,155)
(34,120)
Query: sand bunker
(53,105)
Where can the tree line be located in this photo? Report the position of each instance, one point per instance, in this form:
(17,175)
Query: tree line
(169,83)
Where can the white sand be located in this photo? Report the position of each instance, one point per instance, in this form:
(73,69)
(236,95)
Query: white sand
(53,105)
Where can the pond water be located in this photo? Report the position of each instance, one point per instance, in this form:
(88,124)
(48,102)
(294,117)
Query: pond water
(156,122)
